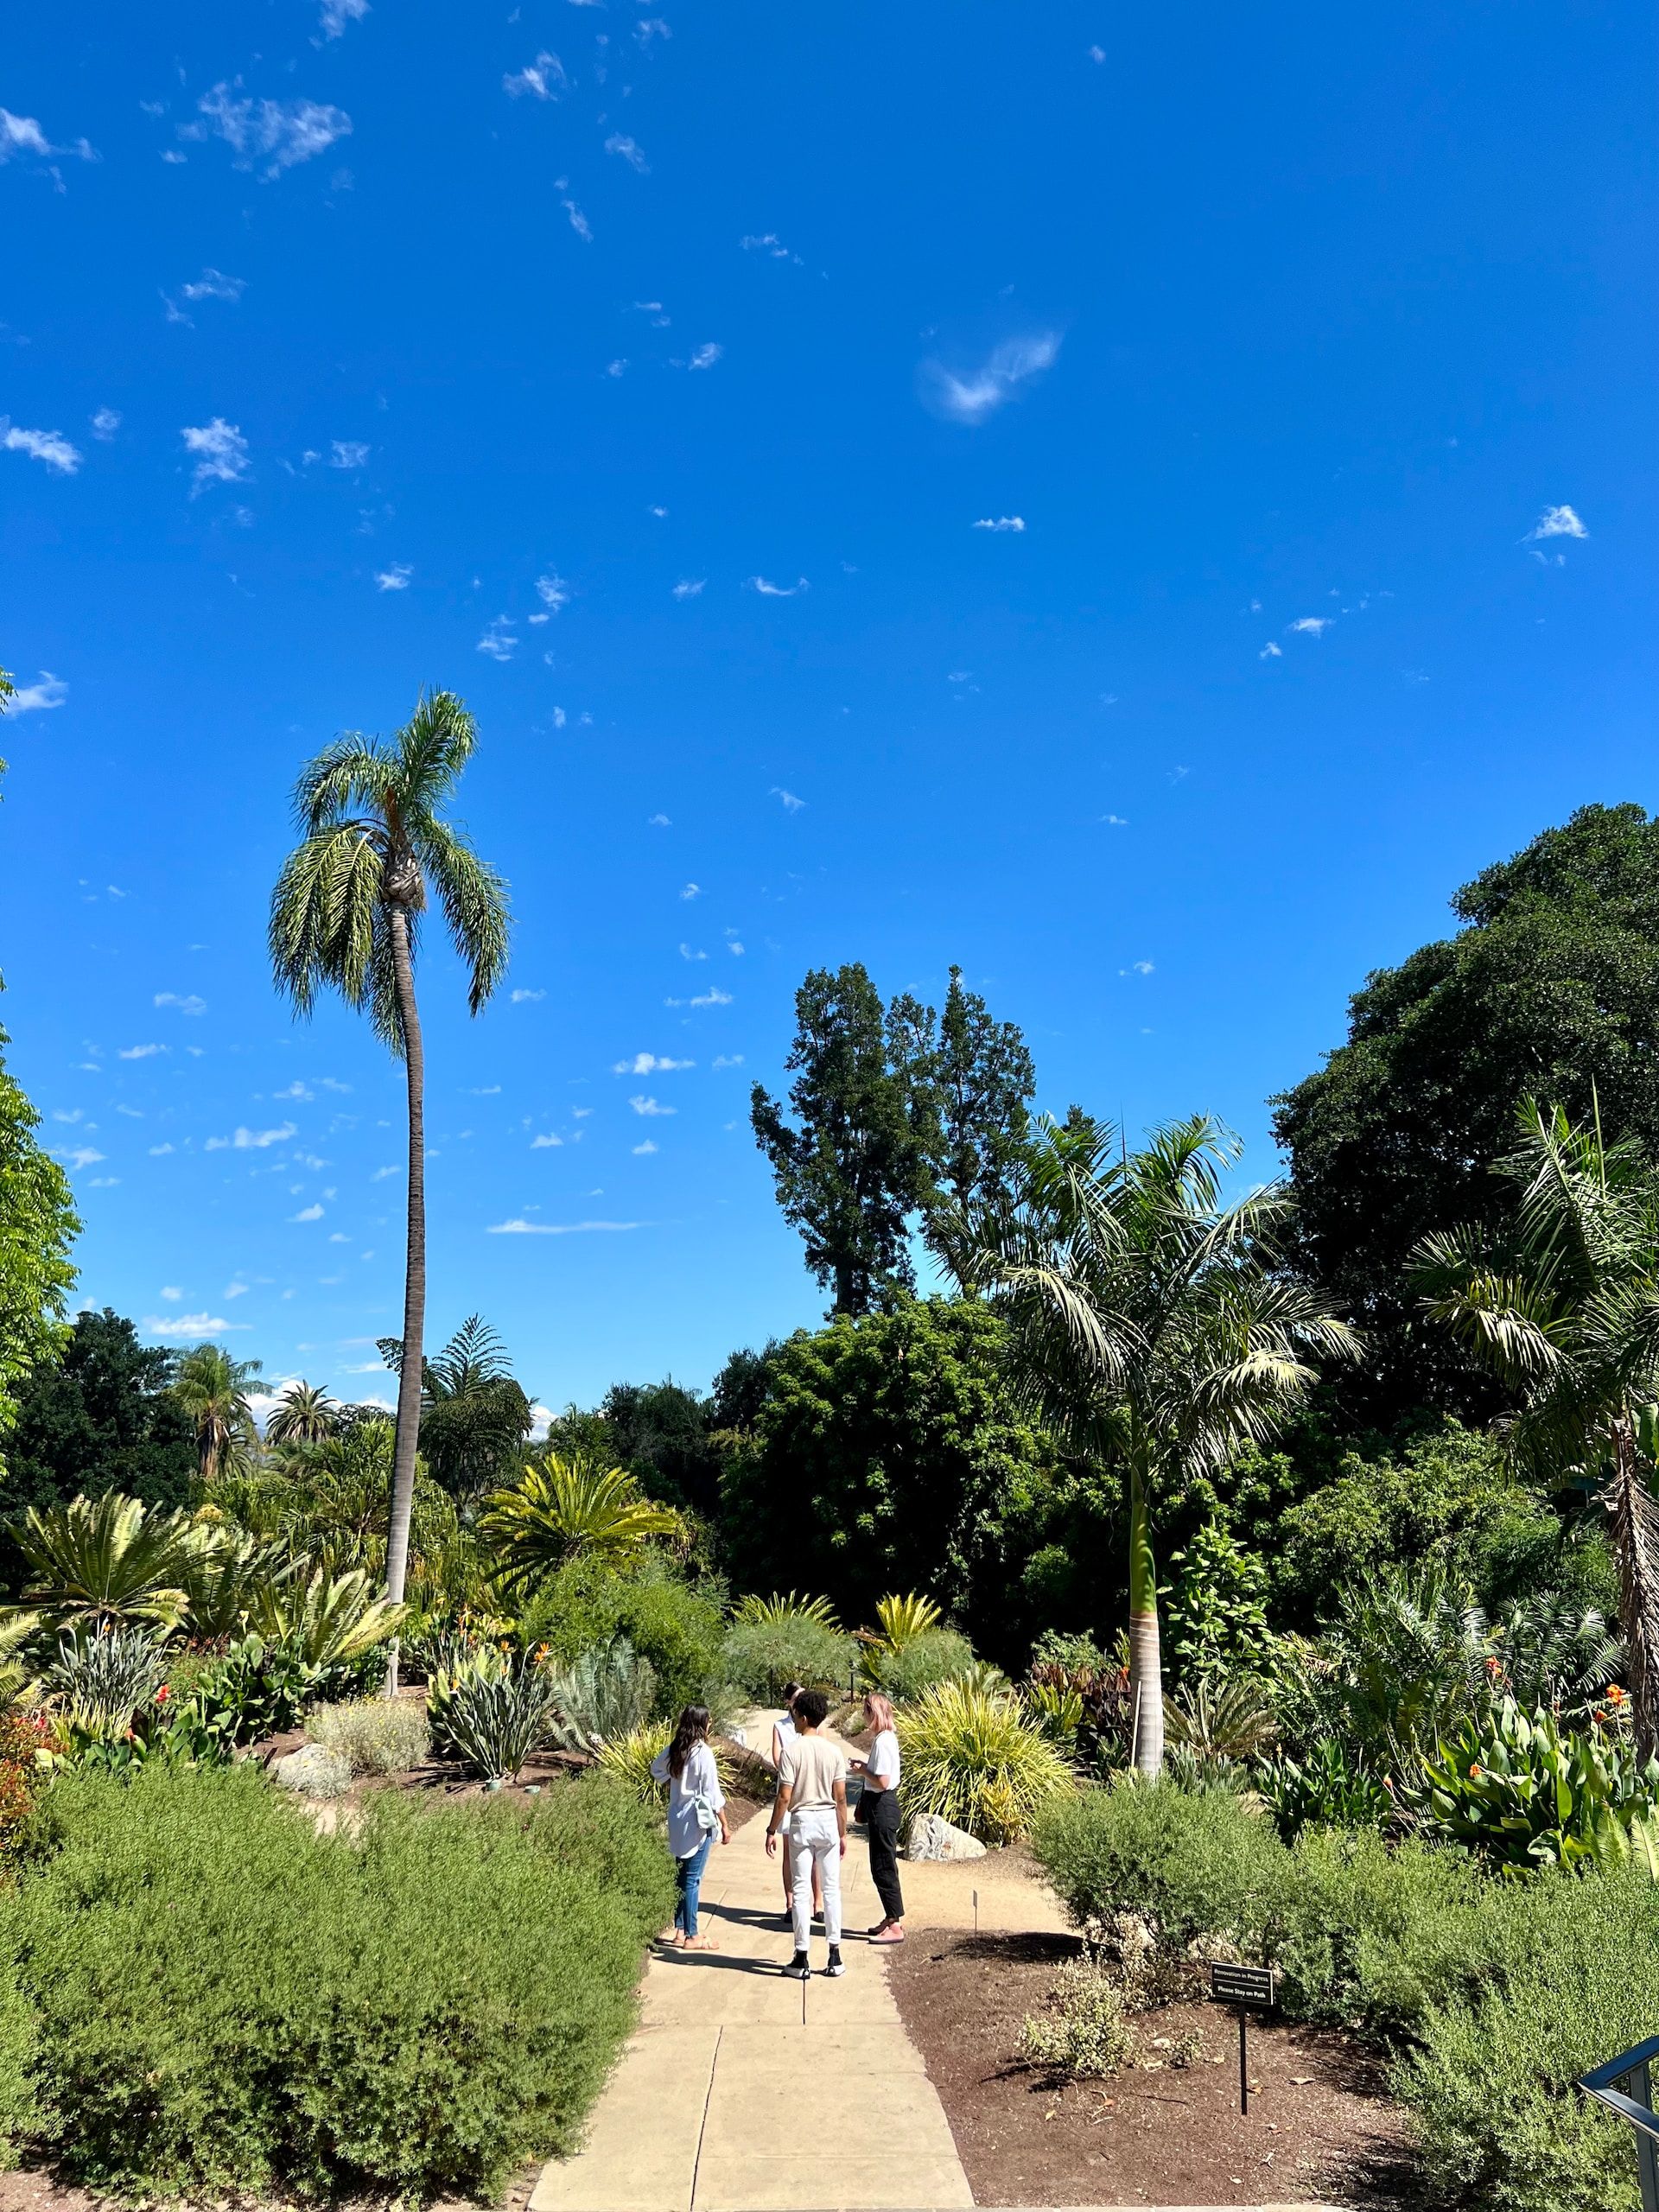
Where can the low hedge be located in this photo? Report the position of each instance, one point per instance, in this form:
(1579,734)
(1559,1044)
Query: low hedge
(199,1995)
(1491,1992)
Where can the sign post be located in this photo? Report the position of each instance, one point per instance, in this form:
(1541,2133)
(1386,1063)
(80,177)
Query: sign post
(1251,1989)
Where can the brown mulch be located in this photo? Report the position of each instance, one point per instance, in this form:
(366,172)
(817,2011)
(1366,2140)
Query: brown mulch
(1319,2125)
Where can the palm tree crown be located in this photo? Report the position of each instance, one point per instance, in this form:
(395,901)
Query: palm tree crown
(213,1388)
(304,1414)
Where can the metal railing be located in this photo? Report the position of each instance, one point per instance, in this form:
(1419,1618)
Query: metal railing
(1624,2086)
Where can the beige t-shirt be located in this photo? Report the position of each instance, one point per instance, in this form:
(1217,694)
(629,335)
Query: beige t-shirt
(812,1766)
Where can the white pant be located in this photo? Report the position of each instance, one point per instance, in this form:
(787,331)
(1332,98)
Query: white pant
(815,1839)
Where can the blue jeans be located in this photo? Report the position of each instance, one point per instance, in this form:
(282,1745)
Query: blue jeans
(688,1884)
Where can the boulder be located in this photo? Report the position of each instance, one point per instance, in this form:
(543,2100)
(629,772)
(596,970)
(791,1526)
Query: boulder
(931,1838)
(313,1771)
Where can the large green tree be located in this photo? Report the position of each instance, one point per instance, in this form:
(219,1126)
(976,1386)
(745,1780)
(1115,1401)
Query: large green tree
(38,1225)
(212,1390)
(345,916)
(474,1414)
(1551,987)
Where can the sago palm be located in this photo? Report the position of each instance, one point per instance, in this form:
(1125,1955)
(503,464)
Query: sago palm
(107,1559)
(1148,1326)
(345,916)
(560,1512)
(213,1389)
(1565,1309)
(303,1413)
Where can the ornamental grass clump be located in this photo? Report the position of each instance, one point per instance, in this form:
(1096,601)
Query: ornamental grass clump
(377,1735)
(973,1758)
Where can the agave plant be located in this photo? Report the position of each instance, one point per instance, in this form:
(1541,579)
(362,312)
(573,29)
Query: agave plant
(107,1558)
(784,1611)
(561,1511)
(607,1692)
(325,1619)
(494,1718)
(104,1678)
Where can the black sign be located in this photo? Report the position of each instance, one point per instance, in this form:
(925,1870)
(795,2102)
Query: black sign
(1256,1986)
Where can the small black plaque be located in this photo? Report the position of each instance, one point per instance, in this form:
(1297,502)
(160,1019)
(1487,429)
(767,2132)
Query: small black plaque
(1254,1986)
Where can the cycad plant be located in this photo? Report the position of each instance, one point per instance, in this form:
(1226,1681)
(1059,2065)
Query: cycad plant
(324,1619)
(559,1512)
(1565,1309)
(345,916)
(782,1610)
(107,1558)
(1150,1325)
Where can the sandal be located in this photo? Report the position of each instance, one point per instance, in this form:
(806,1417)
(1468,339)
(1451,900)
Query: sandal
(699,1943)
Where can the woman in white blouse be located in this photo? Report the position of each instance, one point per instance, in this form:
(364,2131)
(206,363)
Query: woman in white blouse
(878,1816)
(697,1812)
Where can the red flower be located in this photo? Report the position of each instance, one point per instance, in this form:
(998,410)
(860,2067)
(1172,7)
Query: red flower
(163,1694)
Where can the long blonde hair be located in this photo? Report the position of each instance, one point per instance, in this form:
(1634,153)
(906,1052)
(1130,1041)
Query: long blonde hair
(880,1710)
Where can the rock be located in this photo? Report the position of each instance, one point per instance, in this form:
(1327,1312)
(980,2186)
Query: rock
(313,1771)
(931,1838)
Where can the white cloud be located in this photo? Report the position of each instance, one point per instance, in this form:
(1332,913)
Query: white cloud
(583,230)
(139,1052)
(542,1143)
(778,591)
(687,953)
(1001,522)
(312,1212)
(105,423)
(336,14)
(281,133)
(660,513)
(254,1140)
(1557,521)
(157,1151)
(21,136)
(650,1063)
(792,805)
(189,1327)
(48,446)
(713,996)
(977,393)
(69,1114)
(214,284)
(616,144)
(648,1146)
(347,453)
(1309,625)
(1271,652)
(541,79)
(82,1155)
(641,1105)
(235,1290)
(729,1060)
(651,27)
(221,451)
(1137,968)
(35,698)
(658,821)
(498,641)
(689,587)
(395,578)
(559,1228)
(1097,54)
(295,1091)
(771,244)
(188,1004)
(381,1174)
(691,891)
(705,357)
(522,996)
(1117,821)
(553,592)
(734,944)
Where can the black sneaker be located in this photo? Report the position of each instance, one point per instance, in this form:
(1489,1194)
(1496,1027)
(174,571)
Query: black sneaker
(800,1966)
(837,1965)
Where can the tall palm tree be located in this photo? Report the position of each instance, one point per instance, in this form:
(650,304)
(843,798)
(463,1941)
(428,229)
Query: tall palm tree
(1147,1326)
(345,916)
(213,1389)
(1565,1309)
(303,1413)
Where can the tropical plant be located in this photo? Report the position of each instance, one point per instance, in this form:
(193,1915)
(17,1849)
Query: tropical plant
(977,1762)
(1522,1791)
(101,1680)
(474,1416)
(1150,1325)
(225,1578)
(345,916)
(1057,1709)
(607,1692)
(1216,1721)
(324,1619)
(1331,1788)
(785,1611)
(492,1718)
(559,1512)
(1217,1605)
(107,1558)
(17,1684)
(902,1619)
(1551,1651)
(303,1413)
(1565,1310)
(629,1758)
(213,1389)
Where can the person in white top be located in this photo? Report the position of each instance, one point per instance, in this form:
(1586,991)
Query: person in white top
(697,1812)
(878,1816)
(784,1733)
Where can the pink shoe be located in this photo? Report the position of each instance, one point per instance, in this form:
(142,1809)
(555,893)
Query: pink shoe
(890,1935)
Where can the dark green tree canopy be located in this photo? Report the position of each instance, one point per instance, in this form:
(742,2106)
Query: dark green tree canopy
(474,1414)
(38,1225)
(1551,987)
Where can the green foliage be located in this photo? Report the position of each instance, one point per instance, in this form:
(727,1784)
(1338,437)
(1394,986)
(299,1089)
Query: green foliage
(1083,2034)
(492,1713)
(763,1652)
(906,1671)
(778,1612)
(607,1692)
(257,1689)
(38,1224)
(228,2002)
(1331,1787)
(627,1762)
(976,1760)
(378,1735)
(474,1416)
(212,1389)
(1522,1791)
(325,1619)
(1220,1720)
(107,1558)
(676,1626)
(1217,1613)
(1197,1862)
(566,1510)
(102,1680)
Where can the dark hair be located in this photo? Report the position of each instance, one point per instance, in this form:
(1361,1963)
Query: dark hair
(792,1690)
(692,1731)
(812,1706)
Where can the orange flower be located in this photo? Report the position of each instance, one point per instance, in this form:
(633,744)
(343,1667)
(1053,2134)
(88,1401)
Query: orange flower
(1474,1774)
(1615,1696)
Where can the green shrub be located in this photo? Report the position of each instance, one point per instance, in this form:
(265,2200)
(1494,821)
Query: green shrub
(377,1735)
(1522,1791)
(1084,2033)
(228,2002)
(1332,1787)
(909,1670)
(678,1628)
(492,1713)
(761,1654)
(1199,1864)
(1218,1619)
(977,1762)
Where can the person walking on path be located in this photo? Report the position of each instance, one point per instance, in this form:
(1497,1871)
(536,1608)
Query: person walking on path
(697,1812)
(783,1734)
(813,1796)
(878,1814)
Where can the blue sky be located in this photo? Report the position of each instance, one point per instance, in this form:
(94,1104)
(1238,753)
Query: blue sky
(1140,505)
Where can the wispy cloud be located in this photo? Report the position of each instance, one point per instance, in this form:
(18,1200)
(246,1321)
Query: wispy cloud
(1002,522)
(778,591)
(628,150)
(23,139)
(689,587)
(562,1228)
(1309,625)
(650,1145)
(658,821)
(771,244)
(280,133)
(497,640)
(186,1003)
(524,997)
(728,1060)
(972,395)
(34,698)
(221,453)
(395,578)
(541,1143)
(139,1052)
(584,231)
(336,14)
(690,953)
(48,446)
(691,891)
(650,1063)
(254,1140)
(81,1155)
(105,423)
(190,1327)
(1557,521)
(1271,652)
(312,1212)
(640,1102)
(348,453)
(553,592)
(792,805)
(713,996)
(705,357)
(543,79)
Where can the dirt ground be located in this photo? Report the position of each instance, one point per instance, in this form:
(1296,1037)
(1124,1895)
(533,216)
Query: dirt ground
(1319,2125)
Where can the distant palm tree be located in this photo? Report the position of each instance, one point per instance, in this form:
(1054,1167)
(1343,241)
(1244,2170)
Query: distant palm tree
(559,1512)
(213,1389)
(345,916)
(474,1414)
(303,1413)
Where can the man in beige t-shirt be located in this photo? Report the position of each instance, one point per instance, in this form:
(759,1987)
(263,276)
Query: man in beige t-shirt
(812,1790)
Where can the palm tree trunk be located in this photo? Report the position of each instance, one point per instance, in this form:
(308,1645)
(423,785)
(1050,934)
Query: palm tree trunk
(409,1380)
(1146,1655)
(1635,1547)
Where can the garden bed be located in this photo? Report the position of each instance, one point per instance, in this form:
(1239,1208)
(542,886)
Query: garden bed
(1319,2123)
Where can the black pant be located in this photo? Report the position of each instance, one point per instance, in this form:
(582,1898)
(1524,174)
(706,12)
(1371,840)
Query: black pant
(882,1828)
